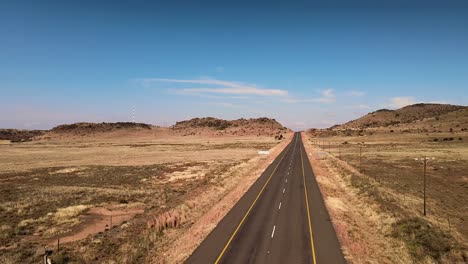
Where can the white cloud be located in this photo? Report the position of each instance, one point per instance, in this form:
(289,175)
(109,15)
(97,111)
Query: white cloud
(355,93)
(361,106)
(399,102)
(224,87)
(327,96)
(236,90)
(402,101)
(328,122)
(227,105)
(328,93)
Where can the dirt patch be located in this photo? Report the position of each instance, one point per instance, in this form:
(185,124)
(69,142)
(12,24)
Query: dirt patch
(99,219)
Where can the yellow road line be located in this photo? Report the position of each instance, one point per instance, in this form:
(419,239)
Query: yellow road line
(308,211)
(250,208)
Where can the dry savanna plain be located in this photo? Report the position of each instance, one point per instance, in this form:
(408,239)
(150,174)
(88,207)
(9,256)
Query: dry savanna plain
(128,195)
(135,193)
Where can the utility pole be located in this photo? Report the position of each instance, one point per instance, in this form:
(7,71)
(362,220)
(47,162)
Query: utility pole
(424,161)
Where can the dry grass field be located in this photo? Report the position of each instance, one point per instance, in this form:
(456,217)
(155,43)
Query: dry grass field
(113,199)
(392,180)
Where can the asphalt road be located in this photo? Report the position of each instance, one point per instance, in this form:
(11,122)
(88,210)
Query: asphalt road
(281,219)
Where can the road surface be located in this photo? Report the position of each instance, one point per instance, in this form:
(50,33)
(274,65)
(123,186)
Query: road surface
(281,219)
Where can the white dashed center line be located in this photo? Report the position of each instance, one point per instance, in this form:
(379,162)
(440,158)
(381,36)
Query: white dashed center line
(273,233)
(279,207)
(284,190)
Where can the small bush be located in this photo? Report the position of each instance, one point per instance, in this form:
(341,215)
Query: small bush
(60,258)
(435,139)
(422,239)
(170,219)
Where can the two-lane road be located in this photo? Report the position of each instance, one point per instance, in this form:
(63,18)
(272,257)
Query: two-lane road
(281,219)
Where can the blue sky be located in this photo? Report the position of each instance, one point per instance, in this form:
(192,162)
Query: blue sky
(305,63)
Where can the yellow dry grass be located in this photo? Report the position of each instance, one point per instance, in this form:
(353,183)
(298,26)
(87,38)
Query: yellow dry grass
(68,214)
(131,152)
(356,220)
(390,189)
(174,179)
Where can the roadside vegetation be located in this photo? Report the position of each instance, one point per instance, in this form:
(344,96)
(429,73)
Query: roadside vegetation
(388,185)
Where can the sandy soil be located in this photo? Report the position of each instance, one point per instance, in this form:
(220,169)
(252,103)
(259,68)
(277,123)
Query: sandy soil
(99,219)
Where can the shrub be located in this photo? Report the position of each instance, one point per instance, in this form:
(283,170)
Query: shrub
(169,219)
(421,238)
(60,258)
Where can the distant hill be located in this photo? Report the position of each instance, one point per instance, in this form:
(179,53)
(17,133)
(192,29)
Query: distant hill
(405,115)
(427,118)
(241,127)
(84,129)
(208,126)
(19,135)
(97,127)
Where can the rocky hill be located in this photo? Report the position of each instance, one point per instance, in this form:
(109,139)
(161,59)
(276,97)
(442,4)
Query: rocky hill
(240,127)
(405,115)
(417,118)
(208,126)
(18,135)
(85,129)
(97,127)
